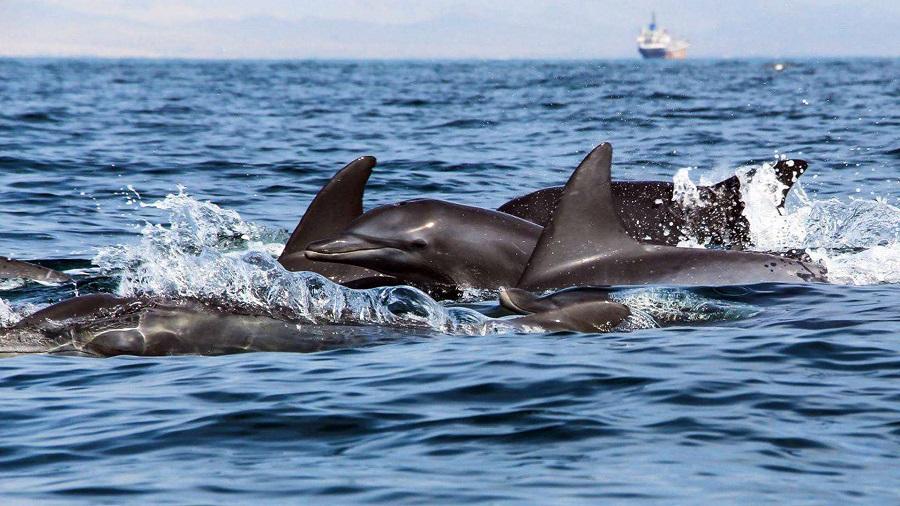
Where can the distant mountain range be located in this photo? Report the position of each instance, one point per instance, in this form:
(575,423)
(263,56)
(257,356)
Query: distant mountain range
(458,29)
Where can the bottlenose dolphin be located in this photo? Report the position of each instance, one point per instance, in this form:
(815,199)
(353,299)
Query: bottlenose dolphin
(585,243)
(651,214)
(105,325)
(336,205)
(433,244)
(10,268)
(441,246)
(582,309)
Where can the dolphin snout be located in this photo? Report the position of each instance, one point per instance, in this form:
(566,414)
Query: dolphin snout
(322,250)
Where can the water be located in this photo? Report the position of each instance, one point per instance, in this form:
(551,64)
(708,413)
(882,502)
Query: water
(763,394)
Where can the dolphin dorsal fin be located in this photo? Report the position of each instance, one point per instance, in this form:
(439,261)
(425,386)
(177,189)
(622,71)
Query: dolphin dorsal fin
(584,225)
(336,205)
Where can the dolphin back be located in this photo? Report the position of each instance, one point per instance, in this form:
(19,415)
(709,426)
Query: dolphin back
(10,268)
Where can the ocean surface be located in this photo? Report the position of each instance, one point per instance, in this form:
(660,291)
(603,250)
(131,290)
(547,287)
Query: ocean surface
(183,177)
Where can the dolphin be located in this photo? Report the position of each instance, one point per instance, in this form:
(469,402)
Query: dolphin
(10,268)
(586,243)
(650,214)
(432,244)
(581,309)
(104,325)
(441,247)
(336,205)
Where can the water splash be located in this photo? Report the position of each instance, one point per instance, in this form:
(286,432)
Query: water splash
(761,192)
(655,307)
(8,316)
(858,240)
(11,284)
(879,264)
(197,225)
(685,191)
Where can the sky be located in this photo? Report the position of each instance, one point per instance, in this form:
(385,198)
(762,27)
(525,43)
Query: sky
(444,29)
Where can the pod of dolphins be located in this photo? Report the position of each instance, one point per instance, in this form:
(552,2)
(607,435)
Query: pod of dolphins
(574,240)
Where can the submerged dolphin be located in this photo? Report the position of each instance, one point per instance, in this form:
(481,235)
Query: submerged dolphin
(10,268)
(106,325)
(651,214)
(585,243)
(583,309)
(336,205)
(432,243)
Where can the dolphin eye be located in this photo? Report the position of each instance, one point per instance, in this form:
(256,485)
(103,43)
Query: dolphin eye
(419,244)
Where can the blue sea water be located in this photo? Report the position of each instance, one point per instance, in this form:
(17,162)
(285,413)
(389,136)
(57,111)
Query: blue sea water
(762,394)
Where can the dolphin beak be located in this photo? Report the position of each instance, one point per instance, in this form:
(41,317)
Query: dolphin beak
(335,248)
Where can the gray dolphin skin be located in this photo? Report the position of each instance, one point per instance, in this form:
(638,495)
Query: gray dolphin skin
(431,242)
(104,325)
(79,307)
(336,205)
(524,302)
(651,214)
(585,243)
(583,309)
(10,268)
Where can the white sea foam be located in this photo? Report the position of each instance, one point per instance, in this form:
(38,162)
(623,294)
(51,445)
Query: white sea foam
(858,240)
(685,191)
(651,307)
(11,284)
(8,316)
(209,253)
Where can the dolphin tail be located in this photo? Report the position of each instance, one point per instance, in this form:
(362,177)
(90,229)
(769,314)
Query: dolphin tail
(336,205)
(584,224)
(788,172)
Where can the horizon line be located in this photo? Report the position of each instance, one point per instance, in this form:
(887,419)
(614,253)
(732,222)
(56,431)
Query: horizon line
(425,59)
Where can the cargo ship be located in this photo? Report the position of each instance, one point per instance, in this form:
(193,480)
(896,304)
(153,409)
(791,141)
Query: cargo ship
(656,42)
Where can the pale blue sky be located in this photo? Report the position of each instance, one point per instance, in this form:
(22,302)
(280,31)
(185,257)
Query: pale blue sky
(442,28)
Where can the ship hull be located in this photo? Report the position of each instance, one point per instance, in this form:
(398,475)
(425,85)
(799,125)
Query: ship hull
(652,53)
(662,53)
